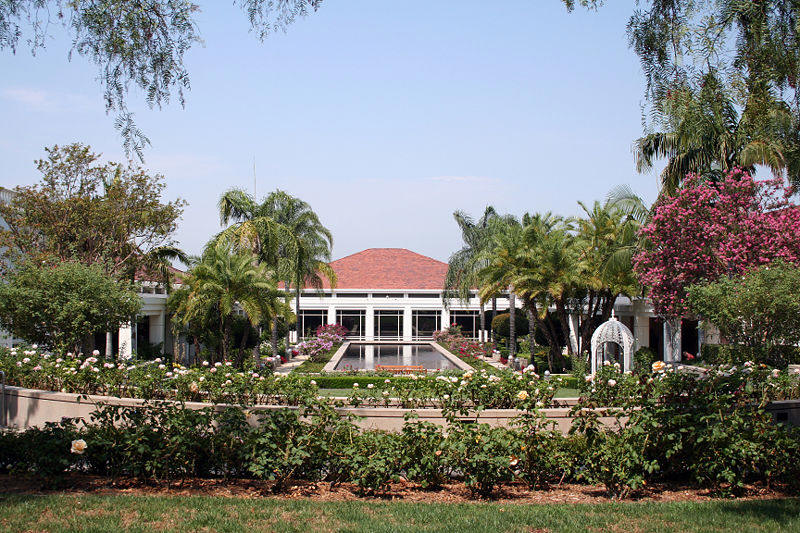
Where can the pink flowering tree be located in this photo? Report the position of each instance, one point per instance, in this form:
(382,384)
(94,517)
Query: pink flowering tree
(707,230)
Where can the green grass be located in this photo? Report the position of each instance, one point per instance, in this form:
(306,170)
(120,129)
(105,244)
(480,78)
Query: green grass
(96,513)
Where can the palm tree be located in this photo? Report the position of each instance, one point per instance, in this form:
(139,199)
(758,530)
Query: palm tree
(223,281)
(607,239)
(497,274)
(303,259)
(706,135)
(464,266)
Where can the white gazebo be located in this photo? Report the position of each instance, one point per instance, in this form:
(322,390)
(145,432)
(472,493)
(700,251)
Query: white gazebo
(615,332)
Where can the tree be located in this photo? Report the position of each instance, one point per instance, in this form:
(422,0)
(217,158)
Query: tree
(559,267)
(706,135)
(706,231)
(91,212)
(759,309)
(222,282)
(606,239)
(300,244)
(465,265)
(139,43)
(58,304)
(704,62)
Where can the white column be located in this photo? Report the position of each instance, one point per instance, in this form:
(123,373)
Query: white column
(109,345)
(573,333)
(125,348)
(641,325)
(369,324)
(445,318)
(408,330)
(369,356)
(332,314)
(672,340)
(156,328)
(408,355)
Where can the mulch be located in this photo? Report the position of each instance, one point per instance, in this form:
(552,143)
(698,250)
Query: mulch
(400,491)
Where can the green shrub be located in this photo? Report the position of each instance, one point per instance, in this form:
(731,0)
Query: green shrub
(618,460)
(734,354)
(371,459)
(43,452)
(544,456)
(759,308)
(501,324)
(286,447)
(424,459)
(483,455)
(643,360)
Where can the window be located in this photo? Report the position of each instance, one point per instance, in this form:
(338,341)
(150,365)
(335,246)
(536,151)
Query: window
(384,295)
(310,320)
(315,295)
(424,295)
(388,323)
(353,320)
(469,321)
(424,323)
(351,294)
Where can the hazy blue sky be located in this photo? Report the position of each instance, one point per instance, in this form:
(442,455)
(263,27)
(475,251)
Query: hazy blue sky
(385,116)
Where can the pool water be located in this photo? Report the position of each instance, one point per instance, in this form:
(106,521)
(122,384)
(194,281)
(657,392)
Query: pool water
(367,356)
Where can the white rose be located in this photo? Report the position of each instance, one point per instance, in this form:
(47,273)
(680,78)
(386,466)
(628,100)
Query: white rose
(78,446)
(95,352)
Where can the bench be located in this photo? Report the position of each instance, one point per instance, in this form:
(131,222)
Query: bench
(401,369)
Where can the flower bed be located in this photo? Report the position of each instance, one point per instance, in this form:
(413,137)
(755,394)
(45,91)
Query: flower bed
(327,337)
(221,383)
(468,350)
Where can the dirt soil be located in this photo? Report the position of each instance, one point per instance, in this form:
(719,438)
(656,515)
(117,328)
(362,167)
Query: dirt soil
(400,491)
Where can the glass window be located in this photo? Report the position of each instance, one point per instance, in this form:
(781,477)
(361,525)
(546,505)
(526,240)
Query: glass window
(424,323)
(388,323)
(384,295)
(353,320)
(424,295)
(469,321)
(310,320)
(351,294)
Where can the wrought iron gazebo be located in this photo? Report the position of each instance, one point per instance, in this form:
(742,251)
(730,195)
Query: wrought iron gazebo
(612,332)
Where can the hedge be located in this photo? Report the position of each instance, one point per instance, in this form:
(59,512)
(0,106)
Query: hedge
(735,354)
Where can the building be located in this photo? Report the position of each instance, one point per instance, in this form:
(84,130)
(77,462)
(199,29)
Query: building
(389,294)
(396,294)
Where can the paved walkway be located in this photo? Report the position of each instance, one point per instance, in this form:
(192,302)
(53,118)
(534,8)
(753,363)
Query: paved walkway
(285,368)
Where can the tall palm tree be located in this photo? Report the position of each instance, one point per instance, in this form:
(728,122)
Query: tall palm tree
(705,134)
(302,260)
(607,238)
(464,266)
(223,281)
(497,274)
(535,260)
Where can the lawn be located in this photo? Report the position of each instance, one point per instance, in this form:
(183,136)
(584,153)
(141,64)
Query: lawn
(103,513)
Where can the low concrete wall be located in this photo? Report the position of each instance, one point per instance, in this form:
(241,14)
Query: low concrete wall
(33,408)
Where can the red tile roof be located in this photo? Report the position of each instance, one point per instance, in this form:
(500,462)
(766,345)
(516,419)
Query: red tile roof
(389,269)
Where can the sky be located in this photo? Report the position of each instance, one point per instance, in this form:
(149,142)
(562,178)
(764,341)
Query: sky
(385,117)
